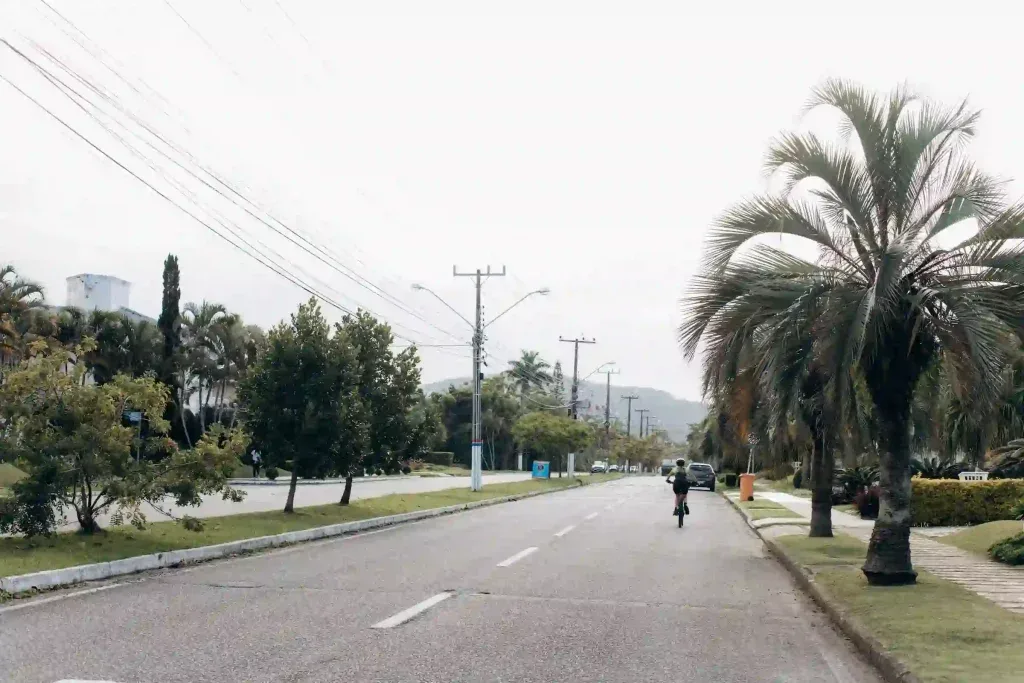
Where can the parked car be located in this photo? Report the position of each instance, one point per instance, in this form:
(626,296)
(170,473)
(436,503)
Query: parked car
(613,468)
(701,474)
(597,468)
(666,467)
(634,468)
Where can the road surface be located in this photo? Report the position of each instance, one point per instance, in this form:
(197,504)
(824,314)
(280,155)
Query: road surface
(591,584)
(262,497)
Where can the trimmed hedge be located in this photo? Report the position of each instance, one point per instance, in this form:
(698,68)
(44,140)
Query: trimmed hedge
(945,502)
(445,458)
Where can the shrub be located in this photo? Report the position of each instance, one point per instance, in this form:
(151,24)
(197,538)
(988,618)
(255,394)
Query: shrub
(406,469)
(798,479)
(866,501)
(730,480)
(856,479)
(415,464)
(1009,551)
(444,458)
(271,473)
(946,502)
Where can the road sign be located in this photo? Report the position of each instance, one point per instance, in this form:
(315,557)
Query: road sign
(541,469)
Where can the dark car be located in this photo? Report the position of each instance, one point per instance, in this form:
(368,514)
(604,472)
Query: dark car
(701,474)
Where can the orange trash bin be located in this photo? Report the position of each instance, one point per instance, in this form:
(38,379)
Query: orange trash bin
(746,487)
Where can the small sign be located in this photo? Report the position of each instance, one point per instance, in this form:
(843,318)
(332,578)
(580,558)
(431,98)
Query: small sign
(134,416)
(541,469)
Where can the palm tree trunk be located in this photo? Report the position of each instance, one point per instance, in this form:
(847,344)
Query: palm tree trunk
(822,467)
(289,505)
(347,493)
(888,559)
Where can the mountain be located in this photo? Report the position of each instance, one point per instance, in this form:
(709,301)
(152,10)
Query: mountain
(672,414)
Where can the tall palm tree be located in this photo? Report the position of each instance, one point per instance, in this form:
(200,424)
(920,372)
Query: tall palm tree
(202,326)
(529,372)
(891,290)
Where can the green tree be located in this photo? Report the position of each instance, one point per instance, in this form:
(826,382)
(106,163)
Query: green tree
(558,397)
(891,299)
(552,436)
(301,401)
(17,298)
(203,326)
(530,372)
(76,446)
(389,390)
(169,321)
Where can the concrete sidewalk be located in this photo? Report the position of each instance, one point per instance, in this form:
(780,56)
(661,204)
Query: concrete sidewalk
(997,582)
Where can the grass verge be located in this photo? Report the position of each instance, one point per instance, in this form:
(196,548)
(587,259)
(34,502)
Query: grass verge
(9,474)
(781,486)
(763,509)
(978,539)
(22,556)
(944,633)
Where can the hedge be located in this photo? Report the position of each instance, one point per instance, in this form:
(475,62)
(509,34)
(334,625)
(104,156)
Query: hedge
(445,458)
(949,502)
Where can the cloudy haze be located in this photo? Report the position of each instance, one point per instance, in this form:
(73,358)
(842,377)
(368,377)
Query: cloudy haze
(587,153)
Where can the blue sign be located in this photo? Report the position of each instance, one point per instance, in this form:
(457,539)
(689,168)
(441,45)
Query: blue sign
(541,469)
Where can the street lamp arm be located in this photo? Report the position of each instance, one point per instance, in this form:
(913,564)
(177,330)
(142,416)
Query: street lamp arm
(447,305)
(524,298)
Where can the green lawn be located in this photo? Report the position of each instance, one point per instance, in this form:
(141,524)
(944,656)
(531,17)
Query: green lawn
(21,556)
(243,471)
(9,474)
(978,539)
(943,632)
(849,508)
(763,509)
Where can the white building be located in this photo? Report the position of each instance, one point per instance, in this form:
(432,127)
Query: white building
(90,292)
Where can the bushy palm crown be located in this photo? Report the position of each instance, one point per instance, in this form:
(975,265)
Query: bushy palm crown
(882,295)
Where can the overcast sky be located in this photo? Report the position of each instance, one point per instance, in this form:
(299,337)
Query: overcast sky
(586,152)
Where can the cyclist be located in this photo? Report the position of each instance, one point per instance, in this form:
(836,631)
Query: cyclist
(680,486)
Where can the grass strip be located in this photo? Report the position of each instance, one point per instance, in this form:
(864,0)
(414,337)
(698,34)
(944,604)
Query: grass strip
(978,539)
(942,631)
(764,509)
(23,556)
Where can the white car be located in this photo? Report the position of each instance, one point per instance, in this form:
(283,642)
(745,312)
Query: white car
(613,468)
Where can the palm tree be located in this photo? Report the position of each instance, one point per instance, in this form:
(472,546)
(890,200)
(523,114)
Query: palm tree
(884,298)
(529,372)
(18,299)
(202,326)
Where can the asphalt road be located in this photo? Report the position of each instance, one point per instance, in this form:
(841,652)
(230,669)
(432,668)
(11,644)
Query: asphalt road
(261,497)
(612,591)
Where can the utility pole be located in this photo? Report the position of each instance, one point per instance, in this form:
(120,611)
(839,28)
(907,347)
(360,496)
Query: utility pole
(476,474)
(608,403)
(642,411)
(629,411)
(576,369)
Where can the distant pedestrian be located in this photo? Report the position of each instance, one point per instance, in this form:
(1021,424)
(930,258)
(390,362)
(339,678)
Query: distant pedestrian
(257,460)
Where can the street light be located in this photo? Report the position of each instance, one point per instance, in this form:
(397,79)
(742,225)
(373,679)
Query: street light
(419,287)
(543,292)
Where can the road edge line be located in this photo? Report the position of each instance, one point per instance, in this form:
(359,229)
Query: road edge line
(18,585)
(893,669)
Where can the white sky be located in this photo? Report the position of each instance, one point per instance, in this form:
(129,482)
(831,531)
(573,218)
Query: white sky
(586,152)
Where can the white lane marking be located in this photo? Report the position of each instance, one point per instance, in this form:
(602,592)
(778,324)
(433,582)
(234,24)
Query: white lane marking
(55,598)
(518,556)
(406,615)
(609,506)
(80,680)
(566,530)
(591,515)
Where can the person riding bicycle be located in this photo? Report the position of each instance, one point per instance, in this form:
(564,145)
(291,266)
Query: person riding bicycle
(680,485)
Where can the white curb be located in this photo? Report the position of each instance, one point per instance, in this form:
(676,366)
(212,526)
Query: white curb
(53,578)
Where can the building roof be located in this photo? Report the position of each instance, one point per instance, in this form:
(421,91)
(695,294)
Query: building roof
(98,275)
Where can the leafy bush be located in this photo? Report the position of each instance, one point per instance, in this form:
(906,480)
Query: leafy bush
(415,464)
(946,502)
(855,479)
(444,458)
(406,469)
(731,480)
(867,502)
(798,479)
(1008,460)
(1009,551)
(271,473)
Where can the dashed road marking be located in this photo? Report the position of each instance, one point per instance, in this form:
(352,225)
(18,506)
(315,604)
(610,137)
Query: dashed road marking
(406,615)
(518,556)
(566,530)
(591,515)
